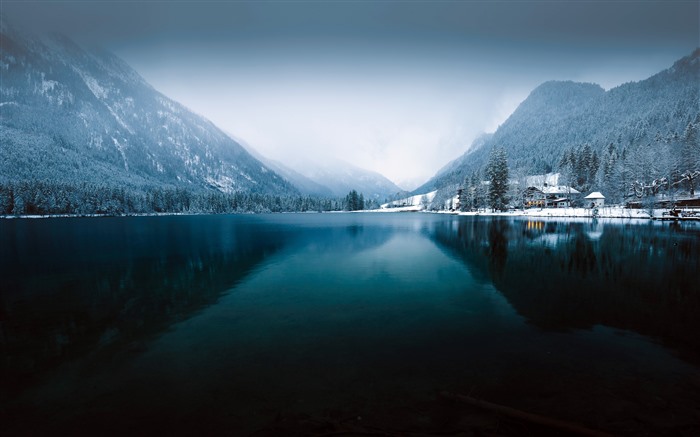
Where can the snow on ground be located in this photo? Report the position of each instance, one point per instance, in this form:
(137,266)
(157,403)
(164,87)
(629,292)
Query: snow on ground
(382,208)
(413,203)
(603,212)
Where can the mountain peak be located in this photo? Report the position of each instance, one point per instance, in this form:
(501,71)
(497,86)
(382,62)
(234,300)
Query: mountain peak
(564,90)
(561,115)
(70,105)
(690,63)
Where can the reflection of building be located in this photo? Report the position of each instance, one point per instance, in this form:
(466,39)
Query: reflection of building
(594,230)
(535,225)
(594,200)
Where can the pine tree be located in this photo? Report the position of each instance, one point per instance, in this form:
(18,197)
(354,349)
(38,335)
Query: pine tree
(353,201)
(465,196)
(690,158)
(497,172)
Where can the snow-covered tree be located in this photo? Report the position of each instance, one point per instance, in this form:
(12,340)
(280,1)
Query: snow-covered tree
(497,172)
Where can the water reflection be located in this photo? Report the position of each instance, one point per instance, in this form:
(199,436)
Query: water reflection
(73,286)
(213,325)
(565,275)
(498,245)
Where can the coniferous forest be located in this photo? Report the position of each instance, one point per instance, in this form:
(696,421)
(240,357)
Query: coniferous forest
(47,198)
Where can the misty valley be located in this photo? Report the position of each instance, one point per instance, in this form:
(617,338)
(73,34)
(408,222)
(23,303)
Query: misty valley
(275,324)
(322,218)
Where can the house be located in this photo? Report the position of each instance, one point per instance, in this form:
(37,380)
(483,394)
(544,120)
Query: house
(533,197)
(544,191)
(594,200)
(562,202)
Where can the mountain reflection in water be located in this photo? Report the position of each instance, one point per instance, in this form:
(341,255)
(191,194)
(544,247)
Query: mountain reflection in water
(232,324)
(566,275)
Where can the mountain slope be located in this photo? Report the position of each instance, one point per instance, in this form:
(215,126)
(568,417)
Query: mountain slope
(302,183)
(73,116)
(453,172)
(558,116)
(329,177)
(341,177)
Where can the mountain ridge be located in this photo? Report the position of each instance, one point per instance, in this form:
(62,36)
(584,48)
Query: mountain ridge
(71,115)
(560,115)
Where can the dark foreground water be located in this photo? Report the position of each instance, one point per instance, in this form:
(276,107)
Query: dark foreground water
(313,323)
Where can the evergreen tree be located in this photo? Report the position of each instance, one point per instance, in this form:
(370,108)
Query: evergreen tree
(465,196)
(354,201)
(689,158)
(497,172)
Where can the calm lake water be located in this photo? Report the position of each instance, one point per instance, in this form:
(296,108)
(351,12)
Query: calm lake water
(262,324)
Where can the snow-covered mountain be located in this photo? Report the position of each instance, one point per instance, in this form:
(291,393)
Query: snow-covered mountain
(558,116)
(69,115)
(326,176)
(305,185)
(341,177)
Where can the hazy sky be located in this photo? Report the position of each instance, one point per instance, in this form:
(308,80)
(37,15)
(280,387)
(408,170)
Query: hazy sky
(400,87)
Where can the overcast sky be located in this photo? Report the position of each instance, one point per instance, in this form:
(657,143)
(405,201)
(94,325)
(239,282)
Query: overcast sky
(396,87)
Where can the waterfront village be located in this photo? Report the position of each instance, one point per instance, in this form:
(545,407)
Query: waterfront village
(545,196)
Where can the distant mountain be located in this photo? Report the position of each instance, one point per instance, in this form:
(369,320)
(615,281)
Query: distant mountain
(341,177)
(69,115)
(558,116)
(302,183)
(329,177)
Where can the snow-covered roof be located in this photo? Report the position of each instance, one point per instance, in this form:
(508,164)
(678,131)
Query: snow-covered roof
(595,195)
(558,189)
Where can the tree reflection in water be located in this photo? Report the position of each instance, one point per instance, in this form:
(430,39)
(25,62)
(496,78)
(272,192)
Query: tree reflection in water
(566,275)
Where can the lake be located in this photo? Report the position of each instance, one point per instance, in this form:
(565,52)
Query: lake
(313,323)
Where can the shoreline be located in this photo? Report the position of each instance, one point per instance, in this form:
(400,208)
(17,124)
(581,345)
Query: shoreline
(606,212)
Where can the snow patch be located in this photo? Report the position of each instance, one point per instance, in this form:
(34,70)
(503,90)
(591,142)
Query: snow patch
(413,203)
(47,85)
(119,120)
(224,184)
(96,141)
(121,147)
(92,84)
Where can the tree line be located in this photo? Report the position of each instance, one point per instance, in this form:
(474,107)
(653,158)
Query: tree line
(49,198)
(668,167)
(665,169)
(357,202)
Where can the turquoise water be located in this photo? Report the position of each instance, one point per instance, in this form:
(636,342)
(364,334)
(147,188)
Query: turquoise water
(235,324)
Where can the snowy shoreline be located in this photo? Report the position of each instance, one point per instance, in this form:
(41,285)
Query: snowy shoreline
(606,212)
(150,214)
(603,212)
